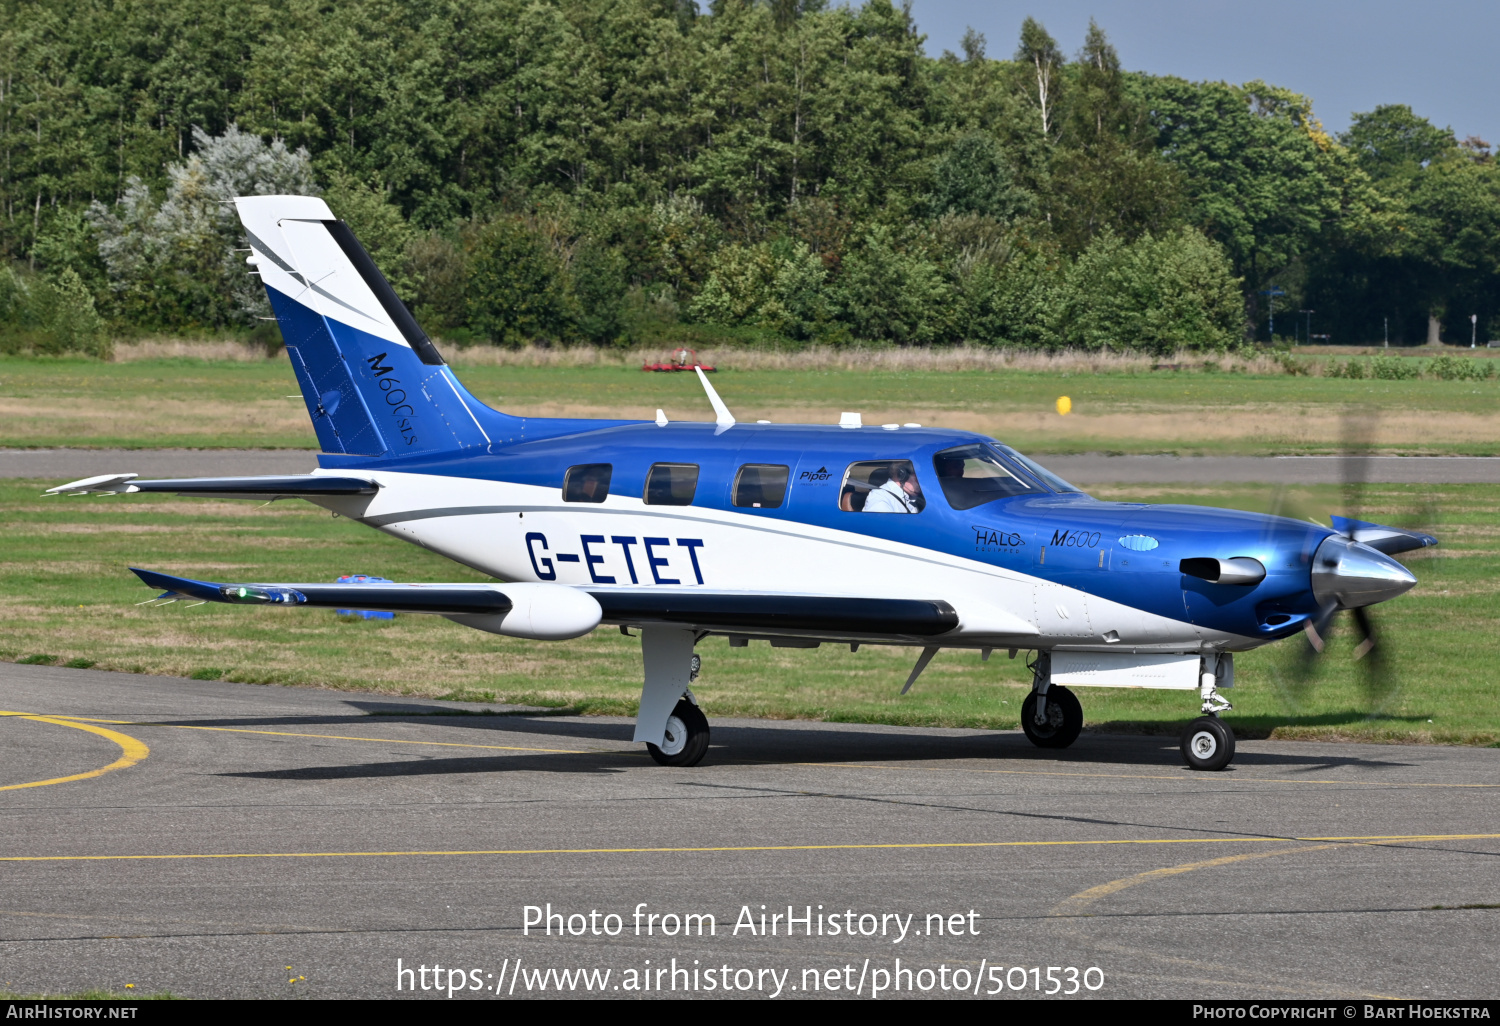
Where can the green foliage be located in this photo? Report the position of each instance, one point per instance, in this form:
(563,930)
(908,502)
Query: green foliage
(672,146)
(1459,368)
(1392,141)
(72,324)
(1345,369)
(1394,368)
(770,285)
(514,291)
(173,264)
(892,292)
(1153,295)
(974,177)
(599,286)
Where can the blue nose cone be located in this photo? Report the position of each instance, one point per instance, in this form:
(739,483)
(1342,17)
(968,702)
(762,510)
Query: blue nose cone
(1349,574)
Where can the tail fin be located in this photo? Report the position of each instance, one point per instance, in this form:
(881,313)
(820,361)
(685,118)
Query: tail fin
(374,383)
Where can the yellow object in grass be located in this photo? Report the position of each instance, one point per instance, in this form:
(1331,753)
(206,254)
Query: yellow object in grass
(1064,405)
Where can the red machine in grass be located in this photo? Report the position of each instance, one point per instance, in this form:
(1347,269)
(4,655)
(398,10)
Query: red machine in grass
(682,360)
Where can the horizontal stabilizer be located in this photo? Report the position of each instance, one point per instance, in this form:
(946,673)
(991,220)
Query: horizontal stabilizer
(1389,540)
(444,599)
(270,487)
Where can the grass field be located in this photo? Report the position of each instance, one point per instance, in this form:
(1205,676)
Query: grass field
(196,403)
(67,598)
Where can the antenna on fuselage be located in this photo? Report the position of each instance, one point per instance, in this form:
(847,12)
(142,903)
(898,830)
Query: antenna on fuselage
(722,416)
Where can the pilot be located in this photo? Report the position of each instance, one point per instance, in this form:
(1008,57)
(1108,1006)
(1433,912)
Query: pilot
(899,494)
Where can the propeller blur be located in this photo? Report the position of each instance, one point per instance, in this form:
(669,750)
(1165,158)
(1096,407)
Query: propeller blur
(799,535)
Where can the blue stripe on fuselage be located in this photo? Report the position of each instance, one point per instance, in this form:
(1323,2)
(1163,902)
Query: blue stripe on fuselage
(1069,538)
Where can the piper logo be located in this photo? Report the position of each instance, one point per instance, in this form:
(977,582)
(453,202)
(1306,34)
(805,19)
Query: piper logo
(814,476)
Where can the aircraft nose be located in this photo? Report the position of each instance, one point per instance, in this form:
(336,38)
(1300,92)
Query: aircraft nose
(1353,575)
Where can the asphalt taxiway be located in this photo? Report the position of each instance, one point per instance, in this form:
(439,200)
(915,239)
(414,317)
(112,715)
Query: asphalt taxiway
(228,840)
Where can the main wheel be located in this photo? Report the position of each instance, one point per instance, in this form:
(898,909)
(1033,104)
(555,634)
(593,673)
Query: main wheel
(1064,719)
(686,741)
(1207,744)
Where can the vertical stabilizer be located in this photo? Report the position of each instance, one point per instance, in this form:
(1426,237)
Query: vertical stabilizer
(374,383)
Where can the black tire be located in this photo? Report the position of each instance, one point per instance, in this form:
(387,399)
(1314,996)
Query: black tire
(686,742)
(1064,719)
(1207,744)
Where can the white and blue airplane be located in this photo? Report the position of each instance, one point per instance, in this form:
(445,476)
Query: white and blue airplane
(799,535)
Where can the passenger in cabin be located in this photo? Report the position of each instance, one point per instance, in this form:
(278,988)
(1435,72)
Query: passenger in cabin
(899,493)
(591,487)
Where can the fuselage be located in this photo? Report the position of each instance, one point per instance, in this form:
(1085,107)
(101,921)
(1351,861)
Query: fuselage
(1045,567)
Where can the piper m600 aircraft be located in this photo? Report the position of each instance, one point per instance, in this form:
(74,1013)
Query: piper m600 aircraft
(797,535)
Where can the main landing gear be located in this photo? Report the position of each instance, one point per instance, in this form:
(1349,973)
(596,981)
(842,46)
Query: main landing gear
(685,740)
(1052,717)
(669,722)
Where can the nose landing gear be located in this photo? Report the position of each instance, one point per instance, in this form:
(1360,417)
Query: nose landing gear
(1207,744)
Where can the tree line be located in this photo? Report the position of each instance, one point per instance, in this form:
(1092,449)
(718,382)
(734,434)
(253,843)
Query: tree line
(632,170)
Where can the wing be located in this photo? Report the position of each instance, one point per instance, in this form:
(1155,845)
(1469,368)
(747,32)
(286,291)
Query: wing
(824,617)
(443,599)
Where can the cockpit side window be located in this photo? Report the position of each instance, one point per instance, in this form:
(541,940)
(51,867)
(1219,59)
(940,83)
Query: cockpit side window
(971,475)
(588,482)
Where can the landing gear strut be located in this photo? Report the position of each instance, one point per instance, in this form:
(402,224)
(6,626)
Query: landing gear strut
(669,722)
(1208,743)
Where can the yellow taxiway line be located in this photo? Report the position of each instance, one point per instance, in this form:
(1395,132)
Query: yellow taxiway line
(335,737)
(1331,841)
(132,751)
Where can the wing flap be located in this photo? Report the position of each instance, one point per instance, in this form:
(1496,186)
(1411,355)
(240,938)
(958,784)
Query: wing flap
(757,614)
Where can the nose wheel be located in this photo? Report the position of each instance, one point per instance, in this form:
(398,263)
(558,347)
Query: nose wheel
(1207,744)
(686,740)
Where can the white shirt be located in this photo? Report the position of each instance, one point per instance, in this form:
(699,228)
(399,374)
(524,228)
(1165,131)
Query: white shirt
(889,498)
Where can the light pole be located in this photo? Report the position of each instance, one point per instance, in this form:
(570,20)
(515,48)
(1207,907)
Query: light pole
(1473,329)
(1387,331)
(1273,292)
(1309,323)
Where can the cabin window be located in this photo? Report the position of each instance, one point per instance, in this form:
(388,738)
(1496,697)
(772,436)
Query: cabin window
(972,475)
(671,484)
(881,486)
(760,485)
(588,482)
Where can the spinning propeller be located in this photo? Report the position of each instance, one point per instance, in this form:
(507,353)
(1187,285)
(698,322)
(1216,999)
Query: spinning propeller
(1353,571)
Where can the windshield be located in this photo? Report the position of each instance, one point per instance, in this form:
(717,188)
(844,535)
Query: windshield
(971,475)
(1040,472)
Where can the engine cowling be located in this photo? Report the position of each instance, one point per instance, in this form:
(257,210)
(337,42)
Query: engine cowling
(541,612)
